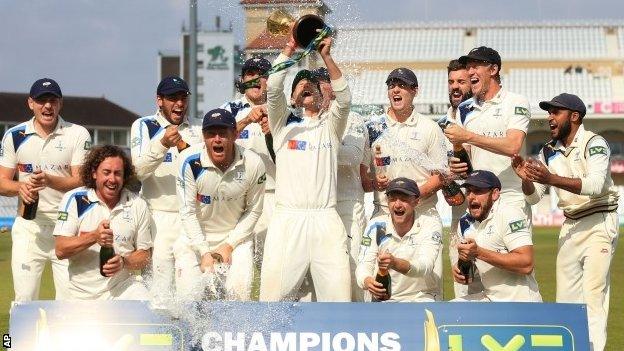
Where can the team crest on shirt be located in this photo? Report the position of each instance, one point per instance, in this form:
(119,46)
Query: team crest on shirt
(517,225)
(59,146)
(497,113)
(168,157)
(244,134)
(240,175)
(490,230)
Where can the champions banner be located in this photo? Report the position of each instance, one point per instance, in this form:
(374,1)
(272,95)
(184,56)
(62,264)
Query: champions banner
(257,326)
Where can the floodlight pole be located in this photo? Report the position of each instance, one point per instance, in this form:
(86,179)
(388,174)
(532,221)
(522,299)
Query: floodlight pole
(192,79)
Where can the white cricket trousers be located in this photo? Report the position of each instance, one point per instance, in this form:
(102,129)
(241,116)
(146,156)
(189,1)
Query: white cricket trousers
(262,225)
(299,240)
(354,220)
(166,229)
(33,246)
(132,288)
(586,247)
(189,278)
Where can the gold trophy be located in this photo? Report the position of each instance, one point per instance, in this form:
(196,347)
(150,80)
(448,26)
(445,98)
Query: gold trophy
(304,29)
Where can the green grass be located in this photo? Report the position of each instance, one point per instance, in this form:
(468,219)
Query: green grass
(545,240)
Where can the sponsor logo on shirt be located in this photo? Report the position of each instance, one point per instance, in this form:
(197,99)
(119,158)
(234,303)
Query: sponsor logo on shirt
(437,237)
(521,111)
(382,161)
(596,150)
(244,134)
(262,179)
(366,241)
(62,216)
(87,145)
(204,199)
(25,167)
(517,225)
(296,144)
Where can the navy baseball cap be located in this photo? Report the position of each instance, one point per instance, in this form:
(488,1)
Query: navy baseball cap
(567,102)
(218,118)
(301,75)
(483,180)
(322,74)
(171,85)
(258,63)
(403,74)
(45,86)
(403,185)
(482,53)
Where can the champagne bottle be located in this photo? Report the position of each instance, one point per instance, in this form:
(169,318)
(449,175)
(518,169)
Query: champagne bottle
(458,150)
(383,275)
(453,194)
(29,211)
(106,253)
(466,267)
(380,167)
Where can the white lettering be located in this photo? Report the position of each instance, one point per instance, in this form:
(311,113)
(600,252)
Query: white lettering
(229,344)
(366,343)
(211,341)
(257,342)
(283,342)
(308,340)
(326,344)
(390,342)
(337,342)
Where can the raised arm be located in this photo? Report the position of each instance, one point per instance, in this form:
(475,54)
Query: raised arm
(340,107)
(277,104)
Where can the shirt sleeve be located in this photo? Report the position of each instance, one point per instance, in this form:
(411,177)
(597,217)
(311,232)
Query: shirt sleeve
(516,232)
(277,105)
(520,114)
(144,239)
(67,222)
(340,106)
(540,189)
(352,146)
(8,156)
(437,150)
(186,190)
(367,259)
(147,154)
(82,146)
(430,243)
(254,201)
(597,154)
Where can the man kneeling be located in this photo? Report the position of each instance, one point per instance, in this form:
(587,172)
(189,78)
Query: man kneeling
(99,216)
(497,240)
(405,247)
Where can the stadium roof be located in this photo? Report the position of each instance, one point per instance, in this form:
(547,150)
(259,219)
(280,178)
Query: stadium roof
(86,111)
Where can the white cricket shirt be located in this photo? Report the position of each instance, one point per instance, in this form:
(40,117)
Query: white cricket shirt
(354,150)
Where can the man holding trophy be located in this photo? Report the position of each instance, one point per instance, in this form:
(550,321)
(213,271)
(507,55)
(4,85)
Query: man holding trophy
(305,232)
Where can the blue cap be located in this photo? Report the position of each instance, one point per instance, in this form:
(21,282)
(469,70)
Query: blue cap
(482,53)
(483,180)
(171,85)
(565,101)
(45,86)
(218,118)
(258,63)
(403,74)
(403,185)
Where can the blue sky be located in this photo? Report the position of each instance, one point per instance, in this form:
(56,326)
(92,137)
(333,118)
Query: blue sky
(109,48)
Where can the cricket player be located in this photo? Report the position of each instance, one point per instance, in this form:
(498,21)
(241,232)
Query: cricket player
(459,91)
(576,164)
(405,143)
(493,123)
(353,160)
(104,213)
(405,244)
(497,238)
(305,232)
(157,141)
(43,155)
(253,133)
(220,189)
